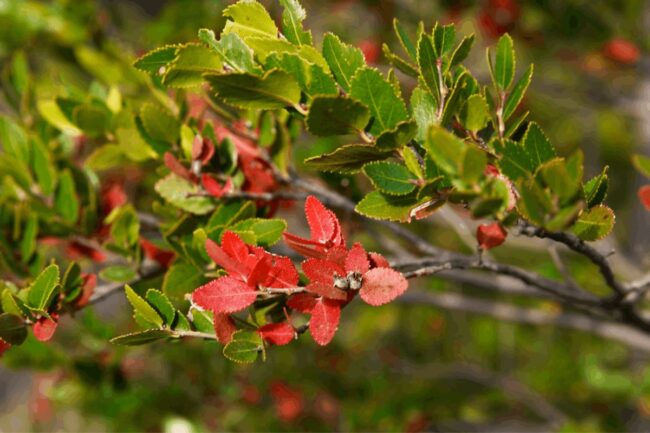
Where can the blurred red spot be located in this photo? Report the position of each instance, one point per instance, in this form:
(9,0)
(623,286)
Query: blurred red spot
(622,51)
(289,403)
(370,50)
(644,196)
(490,235)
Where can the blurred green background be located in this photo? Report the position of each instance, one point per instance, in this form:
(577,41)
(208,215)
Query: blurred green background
(399,367)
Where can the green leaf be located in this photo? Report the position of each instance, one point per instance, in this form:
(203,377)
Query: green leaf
(41,291)
(475,113)
(156,59)
(125,226)
(202,321)
(143,337)
(12,329)
(462,51)
(523,159)
(594,224)
(446,150)
(12,304)
(14,140)
(390,177)
(386,107)
(276,89)
(233,51)
(389,207)
(336,115)
(412,161)
(159,124)
(558,178)
(534,203)
(404,39)
(117,273)
(517,93)
(177,191)
(347,159)
(66,202)
(143,309)
(443,38)
(292,18)
(28,238)
(398,136)
(181,278)
(642,163)
(423,106)
(427,61)
(267,231)
(162,305)
(191,62)
(92,120)
(43,168)
(343,59)
(398,62)
(504,62)
(51,112)
(249,18)
(244,347)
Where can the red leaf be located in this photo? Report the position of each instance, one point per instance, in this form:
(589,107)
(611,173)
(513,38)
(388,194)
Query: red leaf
(176,167)
(87,289)
(337,254)
(224,295)
(302,302)
(224,327)
(112,196)
(214,188)
(160,256)
(4,346)
(321,221)
(327,291)
(370,50)
(490,235)
(378,261)
(234,246)
(44,327)
(202,149)
(322,271)
(278,333)
(221,258)
(305,247)
(324,321)
(644,196)
(382,285)
(282,274)
(357,260)
(260,271)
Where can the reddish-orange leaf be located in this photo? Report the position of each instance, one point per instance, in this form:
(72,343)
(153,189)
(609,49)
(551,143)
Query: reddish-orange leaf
(382,285)
(44,327)
(324,321)
(87,289)
(277,333)
(224,327)
(321,221)
(223,259)
(357,260)
(322,271)
(214,188)
(378,261)
(302,302)
(224,295)
(176,167)
(283,274)
(490,235)
(644,196)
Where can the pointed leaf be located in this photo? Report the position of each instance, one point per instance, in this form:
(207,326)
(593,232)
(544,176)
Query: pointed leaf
(517,93)
(324,321)
(390,178)
(343,59)
(276,89)
(143,309)
(224,295)
(336,115)
(139,338)
(347,159)
(504,62)
(292,18)
(43,288)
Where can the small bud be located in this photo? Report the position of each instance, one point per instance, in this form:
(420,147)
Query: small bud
(341,282)
(355,279)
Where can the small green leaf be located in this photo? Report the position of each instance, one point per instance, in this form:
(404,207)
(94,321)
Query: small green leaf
(189,65)
(292,18)
(642,163)
(276,89)
(398,62)
(14,140)
(232,50)
(404,39)
(390,178)
(412,161)
(41,292)
(443,38)
(267,231)
(534,203)
(386,107)
(66,202)
(152,61)
(202,320)
(244,347)
(556,175)
(475,113)
(12,329)
(347,159)
(462,51)
(159,124)
(52,113)
(446,150)
(428,63)
(181,278)
(42,166)
(162,305)
(178,192)
(143,309)
(140,338)
(504,62)
(389,207)
(12,304)
(336,115)
(117,273)
(344,60)
(398,136)
(522,160)
(249,18)
(423,106)
(517,93)
(594,224)
(92,120)
(28,238)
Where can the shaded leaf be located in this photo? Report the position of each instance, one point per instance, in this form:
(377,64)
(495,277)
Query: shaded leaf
(336,115)
(276,89)
(347,159)
(140,338)
(594,224)
(390,177)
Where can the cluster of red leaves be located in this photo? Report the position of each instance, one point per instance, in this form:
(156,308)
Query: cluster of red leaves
(335,274)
